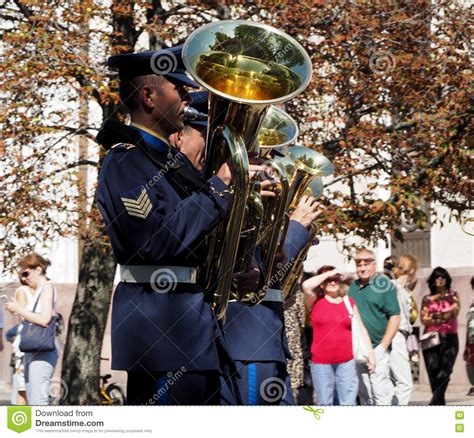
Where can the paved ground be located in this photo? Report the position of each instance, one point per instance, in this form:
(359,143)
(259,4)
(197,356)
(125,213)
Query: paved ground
(452,398)
(418,398)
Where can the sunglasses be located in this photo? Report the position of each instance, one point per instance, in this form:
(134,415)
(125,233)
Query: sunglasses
(335,278)
(360,262)
(25,274)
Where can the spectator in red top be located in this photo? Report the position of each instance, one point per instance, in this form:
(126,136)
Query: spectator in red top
(333,368)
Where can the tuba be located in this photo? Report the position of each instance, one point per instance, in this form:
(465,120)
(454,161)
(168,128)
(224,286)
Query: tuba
(245,67)
(304,167)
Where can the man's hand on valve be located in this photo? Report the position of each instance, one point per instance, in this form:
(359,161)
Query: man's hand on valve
(306,211)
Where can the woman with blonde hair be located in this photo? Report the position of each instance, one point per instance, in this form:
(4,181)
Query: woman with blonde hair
(39,366)
(400,368)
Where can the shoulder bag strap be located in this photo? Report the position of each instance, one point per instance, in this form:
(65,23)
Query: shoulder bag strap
(37,299)
(348,305)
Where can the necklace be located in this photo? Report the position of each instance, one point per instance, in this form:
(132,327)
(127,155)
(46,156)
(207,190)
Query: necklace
(336,300)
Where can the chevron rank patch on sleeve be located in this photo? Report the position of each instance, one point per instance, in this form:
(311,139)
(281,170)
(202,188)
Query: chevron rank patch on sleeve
(140,207)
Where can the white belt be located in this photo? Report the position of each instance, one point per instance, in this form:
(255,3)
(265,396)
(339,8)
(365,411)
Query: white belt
(158,274)
(274,295)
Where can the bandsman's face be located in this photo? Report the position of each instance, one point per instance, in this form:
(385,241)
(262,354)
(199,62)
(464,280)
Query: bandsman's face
(169,101)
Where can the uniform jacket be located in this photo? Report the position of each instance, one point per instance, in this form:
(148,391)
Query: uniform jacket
(257,333)
(158,216)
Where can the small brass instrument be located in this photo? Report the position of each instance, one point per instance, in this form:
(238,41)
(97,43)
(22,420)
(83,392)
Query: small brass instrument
(278,130)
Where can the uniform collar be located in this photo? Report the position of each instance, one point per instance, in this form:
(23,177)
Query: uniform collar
(152,138)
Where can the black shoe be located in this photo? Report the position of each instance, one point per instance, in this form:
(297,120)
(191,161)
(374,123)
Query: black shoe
(471,392)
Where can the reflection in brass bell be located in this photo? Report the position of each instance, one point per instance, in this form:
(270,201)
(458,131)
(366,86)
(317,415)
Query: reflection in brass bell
(247,62)
(278,129)
(315,188)
(311,161)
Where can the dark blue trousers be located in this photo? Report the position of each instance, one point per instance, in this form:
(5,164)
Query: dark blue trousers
(181,388)
(264,383)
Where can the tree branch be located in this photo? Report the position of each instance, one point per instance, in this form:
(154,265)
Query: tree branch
(82,130)
(352,174)
(24,10)
(76,164)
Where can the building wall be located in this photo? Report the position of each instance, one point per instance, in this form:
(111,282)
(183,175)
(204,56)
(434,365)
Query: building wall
(451,247)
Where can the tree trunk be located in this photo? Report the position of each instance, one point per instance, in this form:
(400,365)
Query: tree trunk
(81,363)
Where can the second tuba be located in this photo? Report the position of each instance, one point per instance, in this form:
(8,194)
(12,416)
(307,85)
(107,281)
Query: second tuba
(304,167)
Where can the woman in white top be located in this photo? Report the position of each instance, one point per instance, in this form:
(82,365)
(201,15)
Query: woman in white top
(400,367)
(39,367)
(23,296)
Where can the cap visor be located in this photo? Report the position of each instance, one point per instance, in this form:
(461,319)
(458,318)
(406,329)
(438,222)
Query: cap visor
(181,78)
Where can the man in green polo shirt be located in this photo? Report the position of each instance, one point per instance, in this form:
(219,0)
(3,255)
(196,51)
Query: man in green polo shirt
(376,299)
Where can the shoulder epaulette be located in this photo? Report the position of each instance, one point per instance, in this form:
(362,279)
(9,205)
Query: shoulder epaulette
(123,146)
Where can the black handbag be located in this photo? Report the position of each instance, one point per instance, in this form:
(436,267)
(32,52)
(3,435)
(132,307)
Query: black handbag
(38,339)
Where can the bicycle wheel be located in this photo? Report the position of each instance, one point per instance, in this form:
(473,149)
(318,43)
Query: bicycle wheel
(116,394)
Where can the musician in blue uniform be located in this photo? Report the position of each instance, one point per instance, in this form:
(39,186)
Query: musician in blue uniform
(255,335)
(158,211)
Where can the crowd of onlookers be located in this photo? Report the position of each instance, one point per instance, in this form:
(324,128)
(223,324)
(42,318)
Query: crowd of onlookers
(386,311)
(382,304)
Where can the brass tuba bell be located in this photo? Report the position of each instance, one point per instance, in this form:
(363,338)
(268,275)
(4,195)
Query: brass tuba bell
(278,130)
